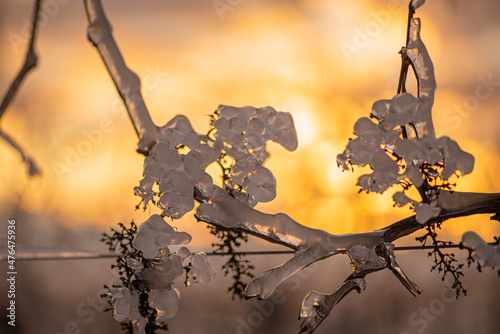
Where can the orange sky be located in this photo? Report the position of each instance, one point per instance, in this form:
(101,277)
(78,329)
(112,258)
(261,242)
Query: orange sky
(287,54)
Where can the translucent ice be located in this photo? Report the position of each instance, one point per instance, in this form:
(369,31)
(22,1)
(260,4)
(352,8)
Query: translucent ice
(163,272)
(155,234)
(201,270)
(425,212)
(126,306)
(488,254)
(165,302)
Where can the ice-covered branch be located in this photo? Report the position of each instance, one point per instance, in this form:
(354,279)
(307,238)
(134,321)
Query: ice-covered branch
(310,244)
(30,62)
(127,82)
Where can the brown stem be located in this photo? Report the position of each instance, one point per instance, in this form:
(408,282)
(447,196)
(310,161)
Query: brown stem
(29,63)
(453,205)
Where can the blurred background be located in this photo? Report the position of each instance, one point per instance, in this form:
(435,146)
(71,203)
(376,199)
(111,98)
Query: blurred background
(324,61)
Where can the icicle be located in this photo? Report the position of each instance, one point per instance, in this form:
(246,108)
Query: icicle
(317,306)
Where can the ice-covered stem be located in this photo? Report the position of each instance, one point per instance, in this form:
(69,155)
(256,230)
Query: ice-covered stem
(127,83)
(30,62)
(424,70)
(317,306)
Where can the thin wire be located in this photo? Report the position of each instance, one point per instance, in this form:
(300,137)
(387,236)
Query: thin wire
(93,256)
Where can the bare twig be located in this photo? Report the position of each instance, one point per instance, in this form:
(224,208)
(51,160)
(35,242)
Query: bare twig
(29,63)
(127,83)
(30,163)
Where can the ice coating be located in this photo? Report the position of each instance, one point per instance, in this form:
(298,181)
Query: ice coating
(310,244)
(126,306)
(201,270)
(163,272)
(258,181)
(387,250)
(155,234)
(165,302)
(402,142)
(247,129)
(365,259)
(488,254)
(317,306)
(424,211)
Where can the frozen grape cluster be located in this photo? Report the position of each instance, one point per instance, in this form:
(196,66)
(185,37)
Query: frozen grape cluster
(400,148)
(178,160)
(177,174)
(488,254)
(154,268)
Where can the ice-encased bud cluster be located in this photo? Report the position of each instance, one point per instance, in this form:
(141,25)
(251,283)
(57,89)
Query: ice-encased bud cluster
(423,211)
(157,271)
(241,133)
(165,302)
(246,130)
(126,306)
(200,270)
(155,234)
(488,254)
(399,145)
(177,174)
(244,133)
(364,258)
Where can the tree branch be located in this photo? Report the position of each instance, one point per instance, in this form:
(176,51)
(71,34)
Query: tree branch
(127,83)
(29,63)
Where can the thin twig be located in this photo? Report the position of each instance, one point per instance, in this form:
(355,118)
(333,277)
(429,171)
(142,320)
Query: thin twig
(30,62)
(30,163)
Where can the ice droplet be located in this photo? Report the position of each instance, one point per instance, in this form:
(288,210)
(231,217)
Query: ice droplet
(126,306)
(488,254)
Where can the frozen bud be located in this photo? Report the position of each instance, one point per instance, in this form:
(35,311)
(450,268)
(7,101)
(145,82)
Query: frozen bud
(155,234)
(400,199)
(165,302)
(162,273)
(175,205)
(403,103)
(126,306)
(283,128)
(364,127)
(202,271)
(183,253)
(488,254)
(425,212)
(380,109)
